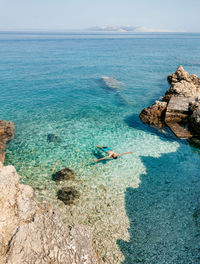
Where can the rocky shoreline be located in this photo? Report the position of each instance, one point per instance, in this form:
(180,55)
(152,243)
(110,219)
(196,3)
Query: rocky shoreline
(32,232)
(179,109)
(7,132)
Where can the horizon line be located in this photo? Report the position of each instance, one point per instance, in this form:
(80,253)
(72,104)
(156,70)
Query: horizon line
(86,30)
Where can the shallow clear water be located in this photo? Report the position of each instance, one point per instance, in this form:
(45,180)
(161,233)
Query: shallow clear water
(141,207)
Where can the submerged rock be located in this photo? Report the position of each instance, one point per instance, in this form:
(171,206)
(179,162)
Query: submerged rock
(110,83)
(52,138)
(174,110)
(68,195)
(6,133)
(196,217)
(32,232)
(64,174)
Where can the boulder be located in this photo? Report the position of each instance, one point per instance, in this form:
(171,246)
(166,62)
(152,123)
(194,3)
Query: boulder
(182,88)
(154,115)
(179,75)
(110,83)
(32,232)
(52,138)
(6,133)
(182,84)
(64,174)
(174,110)
(68,195)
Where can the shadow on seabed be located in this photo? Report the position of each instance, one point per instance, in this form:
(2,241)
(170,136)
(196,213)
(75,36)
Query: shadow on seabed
(164,211)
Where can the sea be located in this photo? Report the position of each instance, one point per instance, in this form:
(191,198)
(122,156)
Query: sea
(143,207)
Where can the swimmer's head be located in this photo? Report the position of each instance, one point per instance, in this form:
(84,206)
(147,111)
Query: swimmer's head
(114,156)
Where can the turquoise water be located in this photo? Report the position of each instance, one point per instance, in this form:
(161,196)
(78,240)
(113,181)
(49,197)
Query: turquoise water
(51,84)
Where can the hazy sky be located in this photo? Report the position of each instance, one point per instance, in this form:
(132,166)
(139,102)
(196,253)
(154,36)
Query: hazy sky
(178,15)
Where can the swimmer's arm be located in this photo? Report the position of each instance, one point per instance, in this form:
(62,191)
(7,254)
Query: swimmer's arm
(124,153)
(100,147)
(102,159)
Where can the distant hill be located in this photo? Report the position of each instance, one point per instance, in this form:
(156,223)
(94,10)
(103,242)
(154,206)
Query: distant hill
(125,29)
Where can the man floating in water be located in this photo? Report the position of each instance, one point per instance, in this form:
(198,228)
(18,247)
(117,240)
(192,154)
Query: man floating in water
(110,152)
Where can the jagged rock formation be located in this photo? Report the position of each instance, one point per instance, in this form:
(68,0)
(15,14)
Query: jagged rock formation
(6,134)
(184,91)
(34,233)
(155,114)
(182,84)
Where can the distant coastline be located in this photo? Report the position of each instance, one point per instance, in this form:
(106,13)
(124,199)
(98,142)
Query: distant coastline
(128,29)
(95,29)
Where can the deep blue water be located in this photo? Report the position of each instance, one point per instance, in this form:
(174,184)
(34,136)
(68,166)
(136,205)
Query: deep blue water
(51,84)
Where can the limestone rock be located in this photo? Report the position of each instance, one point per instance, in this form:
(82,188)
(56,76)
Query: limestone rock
(178,109)
(6,134)
(16,206)
(179,130)
(183,84)
(68,195)
(64,174)
(176,116)
(34,233)
(182,88)
(154,115)
(179,75)
(175,113)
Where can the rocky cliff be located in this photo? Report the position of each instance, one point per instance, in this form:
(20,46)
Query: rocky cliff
(176,109)
(32,232)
